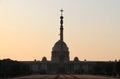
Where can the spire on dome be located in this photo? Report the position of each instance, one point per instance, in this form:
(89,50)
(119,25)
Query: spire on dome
(61,26)
(60,52)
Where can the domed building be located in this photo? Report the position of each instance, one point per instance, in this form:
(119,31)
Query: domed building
(57,52)
(60,61)
(60,52)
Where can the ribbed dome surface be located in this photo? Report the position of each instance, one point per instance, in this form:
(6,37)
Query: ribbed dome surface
(58,44)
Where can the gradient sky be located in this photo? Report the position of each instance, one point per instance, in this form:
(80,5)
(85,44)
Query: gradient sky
(30,28)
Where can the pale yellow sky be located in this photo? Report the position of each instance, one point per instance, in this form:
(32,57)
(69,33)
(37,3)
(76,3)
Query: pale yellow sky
(30,28)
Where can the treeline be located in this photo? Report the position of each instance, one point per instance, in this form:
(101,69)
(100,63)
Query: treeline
(10,68)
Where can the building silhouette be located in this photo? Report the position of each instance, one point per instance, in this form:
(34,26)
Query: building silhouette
(60,52)
(60,61)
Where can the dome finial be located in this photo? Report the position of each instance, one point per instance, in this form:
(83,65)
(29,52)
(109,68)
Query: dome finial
(61,11)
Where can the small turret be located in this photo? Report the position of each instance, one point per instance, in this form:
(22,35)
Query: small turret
(44,59)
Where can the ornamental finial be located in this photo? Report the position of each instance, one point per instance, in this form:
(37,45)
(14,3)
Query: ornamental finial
(61,11)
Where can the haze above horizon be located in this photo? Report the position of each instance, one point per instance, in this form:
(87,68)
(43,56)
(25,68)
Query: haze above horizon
(30,28)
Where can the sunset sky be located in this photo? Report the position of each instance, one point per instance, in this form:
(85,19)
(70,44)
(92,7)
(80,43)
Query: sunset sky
(30,28)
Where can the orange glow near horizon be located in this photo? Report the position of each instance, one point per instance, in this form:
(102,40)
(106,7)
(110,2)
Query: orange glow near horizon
(29,29)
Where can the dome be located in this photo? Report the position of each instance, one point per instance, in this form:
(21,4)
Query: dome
(58,44)
(76,59)
(44,59)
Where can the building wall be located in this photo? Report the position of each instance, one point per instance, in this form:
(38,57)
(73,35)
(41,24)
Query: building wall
(72,67)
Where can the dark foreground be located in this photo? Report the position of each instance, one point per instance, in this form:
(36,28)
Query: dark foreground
(64,77)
